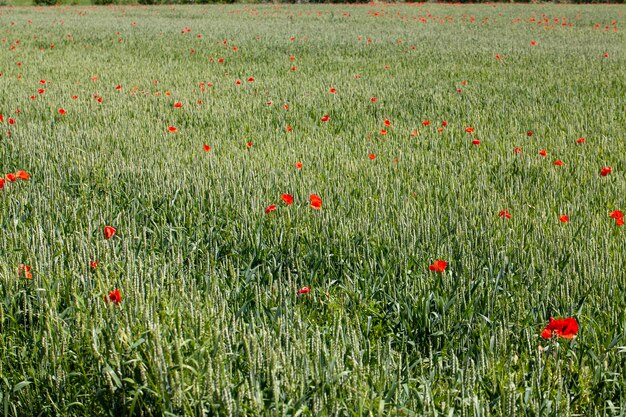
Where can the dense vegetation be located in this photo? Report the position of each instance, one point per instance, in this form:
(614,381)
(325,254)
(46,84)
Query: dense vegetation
(428,132)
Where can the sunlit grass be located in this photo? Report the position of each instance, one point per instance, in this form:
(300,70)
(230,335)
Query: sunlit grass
(210,321)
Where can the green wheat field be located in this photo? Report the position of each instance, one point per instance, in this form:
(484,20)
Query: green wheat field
(457,176)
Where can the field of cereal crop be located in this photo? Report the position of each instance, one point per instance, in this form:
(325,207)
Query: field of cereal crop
(313,210)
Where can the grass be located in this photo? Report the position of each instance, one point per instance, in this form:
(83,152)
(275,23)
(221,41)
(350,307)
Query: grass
(210,320)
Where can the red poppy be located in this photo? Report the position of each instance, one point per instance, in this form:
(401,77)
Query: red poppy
(118,87)
(517,150)
(387,122)
(61,111)
(372,156)
(109,232)
(41,91)
(178,104)
(172,129)
(249,145)
(426,122)
(251,79)
(304,290)
(287,198)
(74,97)
(25,271)
(115,297)
(270,208)
(438,266)
(207,148)
(563,218)
(505,214)
(606,55)
(606,171)
(288,128)
(580,140)
(444,123)
(529,133)
(476,142)
(11,121)
(325,118)
(42,82)
(498,57)
(316,201)
(558,162)
(543,152)
(469,129)
(23,175)
(292,58)
(298,165)
(238,82)
(383,132)
(619,222)
(373,99)
(1,183)
(10,177)
(533,43)
(566,328)
(93,264)
(616,215)
(333,90)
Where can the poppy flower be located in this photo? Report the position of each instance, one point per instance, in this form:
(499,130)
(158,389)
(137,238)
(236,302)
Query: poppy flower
(498,57)
(41,91)
(293,68)
(288,128)
(387,123)
(529,133)
(426,122)
(566,328)
(304,290)
(563,218)
(93,264)
(533,43)
(118,87)
(580,140)
(11,121)
(517,150)
(23,175)
(606,171)
(292,58)
(383,132)
(333,90)
(270,208)
(444,123)
(25,271)
(172,129)
(251,79)
(476,142)
(606,55)
(373,99)
(316,201)
(558,162)
(10,177)
(74,97)
(115,297)
(109,232)
(372,156)
(543,152)
(325,118)
(298,165)
(178,104)
(61,111)
(469,129)
(287,198)
(249,145)
(505,214)
(1,183)
(207,148)
(438,266)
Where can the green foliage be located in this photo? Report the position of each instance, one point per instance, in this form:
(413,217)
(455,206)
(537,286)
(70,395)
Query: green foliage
(210,322)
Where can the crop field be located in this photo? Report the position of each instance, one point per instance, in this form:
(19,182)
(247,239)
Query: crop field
(313,210)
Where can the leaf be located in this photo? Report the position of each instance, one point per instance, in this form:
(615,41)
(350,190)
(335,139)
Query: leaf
(21,385)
